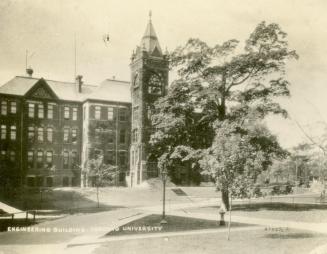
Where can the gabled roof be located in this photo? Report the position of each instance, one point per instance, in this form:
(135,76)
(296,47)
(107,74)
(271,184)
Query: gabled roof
(150,40)
(108,90)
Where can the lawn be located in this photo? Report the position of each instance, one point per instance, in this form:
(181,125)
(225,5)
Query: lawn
(245,242)
(151,224)
(303,213)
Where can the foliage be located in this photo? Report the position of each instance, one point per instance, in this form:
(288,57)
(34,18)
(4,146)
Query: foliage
(224,83)
(239,153)
(105,174)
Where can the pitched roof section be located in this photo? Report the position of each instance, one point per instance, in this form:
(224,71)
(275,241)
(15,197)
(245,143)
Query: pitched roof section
(108,90)
(113,90)
(150,40)
(18,86)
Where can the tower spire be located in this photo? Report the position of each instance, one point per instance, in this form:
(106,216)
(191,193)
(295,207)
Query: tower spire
(150,40)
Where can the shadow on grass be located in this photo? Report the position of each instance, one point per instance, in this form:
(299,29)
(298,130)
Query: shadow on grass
(5,223)
(276,206)
(56,202)
(291,235)
(151,224)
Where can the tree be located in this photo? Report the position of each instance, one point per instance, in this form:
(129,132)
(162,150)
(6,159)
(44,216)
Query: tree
(223,83)
(238,155)
(179,130)
(103,174)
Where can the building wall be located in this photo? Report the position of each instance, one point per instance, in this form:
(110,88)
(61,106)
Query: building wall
(40,158)
(107,130)
(10,141)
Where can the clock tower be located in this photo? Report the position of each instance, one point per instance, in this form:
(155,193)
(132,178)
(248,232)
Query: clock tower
(149,70)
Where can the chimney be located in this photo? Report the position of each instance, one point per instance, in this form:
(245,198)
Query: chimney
(29,71)
(79,82)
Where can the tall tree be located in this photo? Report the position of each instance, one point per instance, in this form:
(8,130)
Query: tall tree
(223,82)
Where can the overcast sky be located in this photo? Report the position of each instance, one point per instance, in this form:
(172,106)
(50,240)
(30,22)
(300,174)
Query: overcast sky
(47,27)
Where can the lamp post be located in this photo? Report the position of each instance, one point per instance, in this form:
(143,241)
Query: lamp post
(164,178)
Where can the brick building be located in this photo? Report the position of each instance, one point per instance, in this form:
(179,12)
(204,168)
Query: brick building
(50,129)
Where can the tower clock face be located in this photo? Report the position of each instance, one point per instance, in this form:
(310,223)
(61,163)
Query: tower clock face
(155,84)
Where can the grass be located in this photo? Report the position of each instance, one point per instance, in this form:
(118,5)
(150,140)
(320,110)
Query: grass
(151,224)
(245,242)
(277,211)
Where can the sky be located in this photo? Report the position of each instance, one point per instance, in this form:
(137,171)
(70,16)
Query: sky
(47,28)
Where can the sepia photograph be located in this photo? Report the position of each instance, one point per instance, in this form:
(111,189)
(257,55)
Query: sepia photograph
(186,126)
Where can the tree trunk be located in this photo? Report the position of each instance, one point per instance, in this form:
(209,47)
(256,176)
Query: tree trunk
(225,198)
(230,217)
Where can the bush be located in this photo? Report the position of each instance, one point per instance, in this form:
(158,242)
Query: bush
(276,190)
(288,188)
(257,191)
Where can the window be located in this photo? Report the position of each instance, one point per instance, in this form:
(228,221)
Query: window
(40,134)
(122,158)
(39,159)
(135,113)
(74,159)
(30,159)
(66,112)
(3,132)
(122,114)
(122,135)
(74,135)
(49,181)
(30,181)
(49,134)
(31,133)
(136,80)
(3,108)
(135,136)
(110,158)
(40,113)
(49,158)
(65,159)
(110,113)
(150,111)
(155,85)
(50,111)
(97,112)
(66,135)
(65,181)
(31,110)
(3,154)
(39,181)
(12,156)
(13,107)
(110,137)
(13,132)
(74,113)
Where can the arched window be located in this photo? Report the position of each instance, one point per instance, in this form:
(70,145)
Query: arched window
(136,80)
(155,85)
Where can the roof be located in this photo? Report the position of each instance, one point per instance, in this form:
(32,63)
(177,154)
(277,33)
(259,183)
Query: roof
(150,40)
(108,90)
(112,90)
